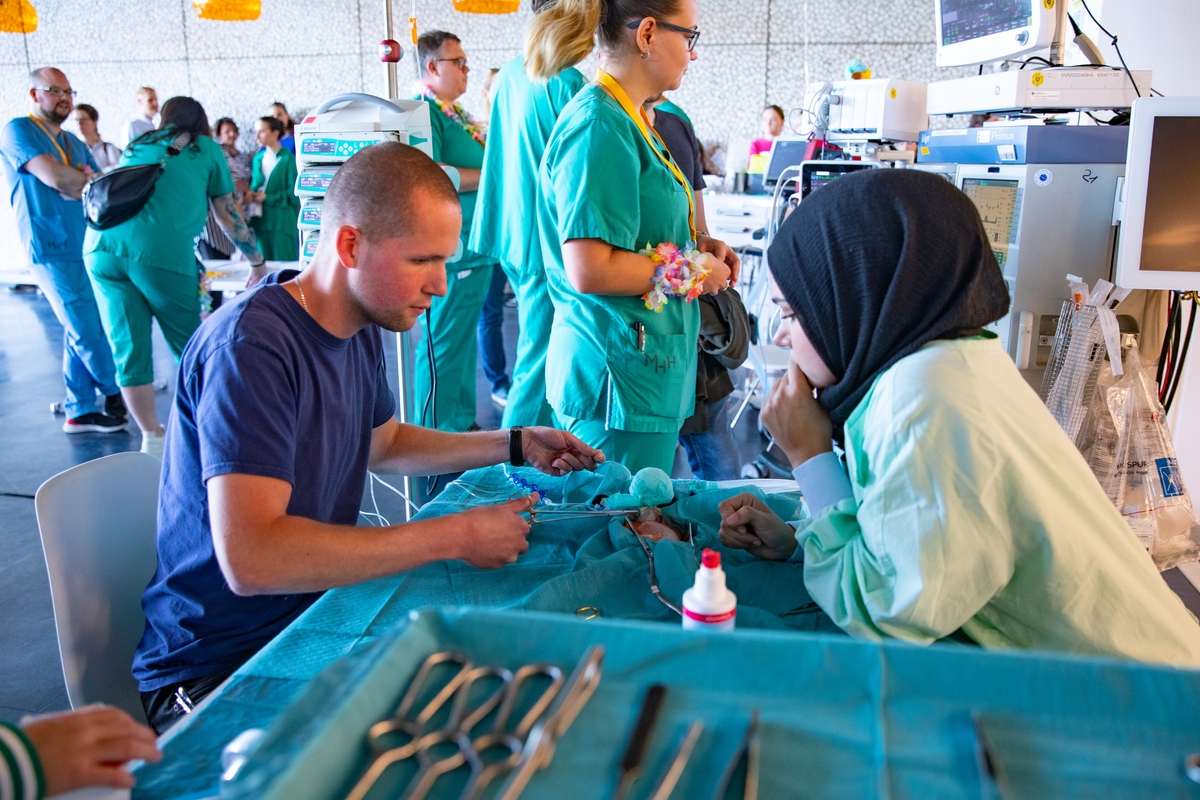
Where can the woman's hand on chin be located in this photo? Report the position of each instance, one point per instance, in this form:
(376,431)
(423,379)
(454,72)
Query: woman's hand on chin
(799,424)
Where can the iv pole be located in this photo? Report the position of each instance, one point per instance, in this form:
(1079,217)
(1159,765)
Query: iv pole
(403,365)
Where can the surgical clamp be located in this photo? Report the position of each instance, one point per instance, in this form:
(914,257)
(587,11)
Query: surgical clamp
(540,746)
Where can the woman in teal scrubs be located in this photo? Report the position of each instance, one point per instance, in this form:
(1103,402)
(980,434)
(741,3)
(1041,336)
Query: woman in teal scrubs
(523,113)
(619,375)
(458,141)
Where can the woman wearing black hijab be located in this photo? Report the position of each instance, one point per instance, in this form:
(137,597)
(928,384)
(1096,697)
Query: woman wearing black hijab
(962,504)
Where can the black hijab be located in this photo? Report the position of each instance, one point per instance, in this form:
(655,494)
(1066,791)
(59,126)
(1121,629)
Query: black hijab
(879,263)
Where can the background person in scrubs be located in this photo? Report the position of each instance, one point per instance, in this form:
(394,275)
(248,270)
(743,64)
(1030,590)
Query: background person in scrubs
(618,374)
(272,180)
(146,267)
(524,111)
(45,169)
(963,504)
(458,141)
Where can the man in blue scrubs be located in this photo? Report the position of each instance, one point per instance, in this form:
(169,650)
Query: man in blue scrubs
(45,169)
(282,406)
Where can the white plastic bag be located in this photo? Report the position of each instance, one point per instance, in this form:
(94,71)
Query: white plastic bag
(1133,458)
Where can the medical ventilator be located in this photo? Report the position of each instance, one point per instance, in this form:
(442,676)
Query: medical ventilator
(709,605)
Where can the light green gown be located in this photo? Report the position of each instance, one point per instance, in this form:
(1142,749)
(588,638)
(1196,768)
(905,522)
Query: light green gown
(456,315)
(523,114)
(600,180)
(972,509)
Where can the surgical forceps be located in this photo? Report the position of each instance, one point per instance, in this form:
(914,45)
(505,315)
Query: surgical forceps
(497,737)
(456,732)
(543,739)
(381,733)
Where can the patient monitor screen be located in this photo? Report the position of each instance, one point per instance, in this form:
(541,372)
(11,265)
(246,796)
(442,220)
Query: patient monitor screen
(1171,231)
(997,204)
(963,20)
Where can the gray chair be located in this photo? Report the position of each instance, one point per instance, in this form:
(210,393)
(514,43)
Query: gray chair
(97,522)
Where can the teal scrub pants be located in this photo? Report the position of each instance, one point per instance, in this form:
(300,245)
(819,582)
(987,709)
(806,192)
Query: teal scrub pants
(129,294)
(633,449)
(527,404)
(455,318)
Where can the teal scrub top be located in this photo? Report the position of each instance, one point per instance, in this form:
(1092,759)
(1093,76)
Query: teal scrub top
(600,179)
(523,114)
(162,233)
(51,225)
(973,509)
(452,145)
(671,108)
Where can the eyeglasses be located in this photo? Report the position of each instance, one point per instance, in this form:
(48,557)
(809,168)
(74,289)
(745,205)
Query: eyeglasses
(55,91)
(692,33)
(461,63)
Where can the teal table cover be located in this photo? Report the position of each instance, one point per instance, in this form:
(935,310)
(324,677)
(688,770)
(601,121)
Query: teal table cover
(841,718)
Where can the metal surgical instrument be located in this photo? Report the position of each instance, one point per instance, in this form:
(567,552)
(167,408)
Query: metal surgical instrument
(539,747)
(639,739)
(748,748)
(678,762)
(381,733)
(654,578)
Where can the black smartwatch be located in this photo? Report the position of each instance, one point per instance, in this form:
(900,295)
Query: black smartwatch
(516,452)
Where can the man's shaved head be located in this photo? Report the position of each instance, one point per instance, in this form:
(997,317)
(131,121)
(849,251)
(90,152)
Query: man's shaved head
(379,189)
(44,76)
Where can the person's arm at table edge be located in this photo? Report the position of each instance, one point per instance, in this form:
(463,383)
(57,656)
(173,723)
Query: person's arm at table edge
(261,549)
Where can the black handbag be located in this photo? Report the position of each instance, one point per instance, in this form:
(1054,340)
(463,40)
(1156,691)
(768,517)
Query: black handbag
(120,194)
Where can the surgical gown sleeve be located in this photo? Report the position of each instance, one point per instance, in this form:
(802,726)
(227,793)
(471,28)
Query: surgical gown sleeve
(924,543)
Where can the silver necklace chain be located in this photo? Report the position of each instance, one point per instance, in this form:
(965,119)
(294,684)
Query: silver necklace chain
(303,302)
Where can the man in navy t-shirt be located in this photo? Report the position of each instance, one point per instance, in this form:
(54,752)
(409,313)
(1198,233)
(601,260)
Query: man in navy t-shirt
(282,407)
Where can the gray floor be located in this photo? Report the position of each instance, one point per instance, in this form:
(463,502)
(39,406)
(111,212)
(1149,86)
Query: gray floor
(34,448)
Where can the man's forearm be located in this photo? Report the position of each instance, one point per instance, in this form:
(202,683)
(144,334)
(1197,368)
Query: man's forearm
(295,554)
(67,180)
(414,450)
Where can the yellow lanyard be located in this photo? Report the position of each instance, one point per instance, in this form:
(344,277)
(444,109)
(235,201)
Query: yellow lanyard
(611,86)
(63,158)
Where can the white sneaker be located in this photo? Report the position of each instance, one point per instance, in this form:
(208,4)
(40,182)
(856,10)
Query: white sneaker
(152,444)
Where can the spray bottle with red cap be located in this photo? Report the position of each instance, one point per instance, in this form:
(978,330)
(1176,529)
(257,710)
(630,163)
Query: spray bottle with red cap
(709,605)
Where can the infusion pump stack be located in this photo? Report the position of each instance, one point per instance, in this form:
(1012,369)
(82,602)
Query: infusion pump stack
(336,130)
(327,138)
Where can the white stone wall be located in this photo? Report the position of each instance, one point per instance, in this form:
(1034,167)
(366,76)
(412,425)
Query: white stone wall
(300,52)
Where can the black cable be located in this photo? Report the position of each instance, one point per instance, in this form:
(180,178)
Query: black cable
(1174,327)
(17,494)
(1113,42)
(1047,62)
(1164,352)
(1187,341)
(431,398)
